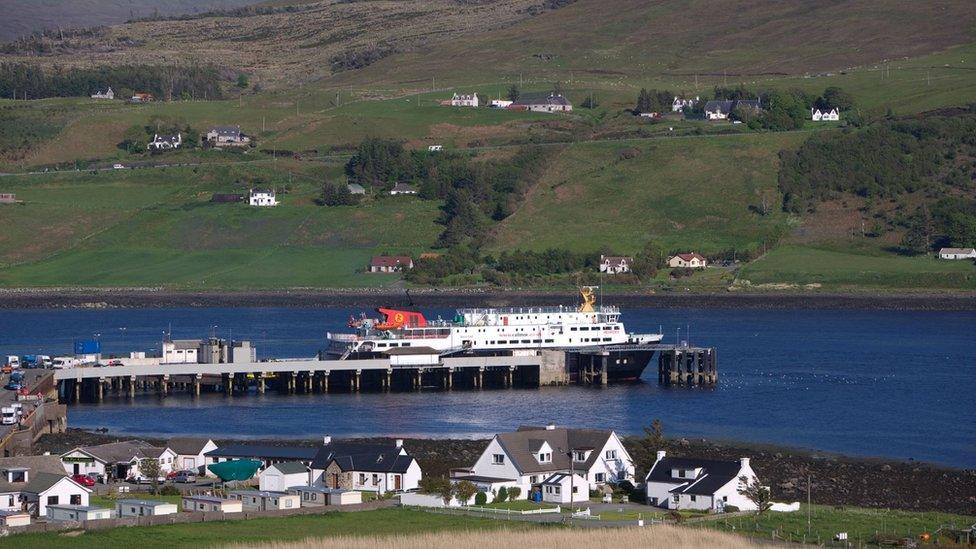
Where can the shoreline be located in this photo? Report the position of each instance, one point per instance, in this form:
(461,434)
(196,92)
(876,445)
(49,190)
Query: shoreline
(837,479)
(149,298)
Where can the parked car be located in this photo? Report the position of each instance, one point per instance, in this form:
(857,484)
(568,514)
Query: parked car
(6,369)
(13,386)
(185,477)
(83,480)
(140,479)
(114,362)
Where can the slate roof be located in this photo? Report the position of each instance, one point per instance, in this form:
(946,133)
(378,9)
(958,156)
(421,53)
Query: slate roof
(122,452)
(754,103)
(40,482)
(547,100)
(226,131)
(357,456)
(34,464)
(960,251)
(187,445)
(714,474)
(692,255)
(404,188)
(521,444)
(238,451)
(356,188)
(723,106)
(291,467)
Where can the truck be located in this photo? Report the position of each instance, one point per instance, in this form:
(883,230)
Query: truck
(64,362)
(13,361)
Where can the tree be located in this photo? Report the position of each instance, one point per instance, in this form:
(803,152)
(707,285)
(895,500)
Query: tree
(589,102)
(513,93)
(242,81)
(514,492)
(643,102)
(337,194)
(918,237)
(834,97)
(150,468)
(502,494)
(465,490)
(758,494)
(961,229)
(480,498)
(446,491)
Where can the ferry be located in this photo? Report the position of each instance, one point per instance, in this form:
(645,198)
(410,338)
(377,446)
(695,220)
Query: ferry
(500,331)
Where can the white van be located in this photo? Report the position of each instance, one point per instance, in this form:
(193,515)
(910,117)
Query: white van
(44,361)
(8,415)
(13,361)
(64,362)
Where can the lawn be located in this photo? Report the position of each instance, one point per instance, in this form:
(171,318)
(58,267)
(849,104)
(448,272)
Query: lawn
(826,522)
(382,522)
(832,268)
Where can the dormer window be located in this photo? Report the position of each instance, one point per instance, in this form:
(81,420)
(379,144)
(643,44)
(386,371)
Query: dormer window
(545,457)
(16,475)
(579,455)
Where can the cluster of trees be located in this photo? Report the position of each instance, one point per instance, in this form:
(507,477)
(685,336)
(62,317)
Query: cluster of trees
(949,222)
(19,80)
(653,101)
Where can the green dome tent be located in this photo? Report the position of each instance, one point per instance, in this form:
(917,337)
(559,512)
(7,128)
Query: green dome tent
(238,469)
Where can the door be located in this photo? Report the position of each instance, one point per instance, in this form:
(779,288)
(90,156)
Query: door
(397,483)
(77,469)
(335,481)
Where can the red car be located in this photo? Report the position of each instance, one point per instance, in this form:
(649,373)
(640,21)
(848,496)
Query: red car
(83,480)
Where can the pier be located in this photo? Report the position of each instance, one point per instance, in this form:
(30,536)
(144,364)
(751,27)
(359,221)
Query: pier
(405,371)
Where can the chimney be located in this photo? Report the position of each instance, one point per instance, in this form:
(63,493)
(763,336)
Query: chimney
(326,440)
(743,462)
(399,443)
(551,427)
(661,454)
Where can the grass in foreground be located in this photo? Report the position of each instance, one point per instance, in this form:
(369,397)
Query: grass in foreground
(384,522)
(861,525)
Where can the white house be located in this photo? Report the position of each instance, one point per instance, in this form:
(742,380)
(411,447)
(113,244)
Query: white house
(260,500)
(549,103)
(565,488)
(701,484)
(612,264)
(118,460)
(957,253)
(680,103)
(500,103)
(165,142)
(377,468)
(44,489)
(403,188)
(531,455)
(262,197)
(824,115)
(718,109)
(107,94)
(211,504)
(282,476)
(390,263)
(143,508)
(191,453)
(227,136)
(77,512)
(464,100)
(693,260)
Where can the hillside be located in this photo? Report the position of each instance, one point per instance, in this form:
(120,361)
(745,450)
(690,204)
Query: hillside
(22,17)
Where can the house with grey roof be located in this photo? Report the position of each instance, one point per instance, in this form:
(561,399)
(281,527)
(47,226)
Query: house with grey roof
(266,454)
(191,453)
(718,109)
(23,479)
(227,136)
(118,460)
(368,467)
(531,455)
(356,188)
(403,188)
(552,102)
(701,484)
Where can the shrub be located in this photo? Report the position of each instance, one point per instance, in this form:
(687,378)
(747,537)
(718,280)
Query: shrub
(676,517)
(169,490)
(502,494)
(731,509)
(514,492)
(480,498)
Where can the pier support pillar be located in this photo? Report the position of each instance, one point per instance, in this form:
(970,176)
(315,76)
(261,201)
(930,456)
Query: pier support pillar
(418,379)
(325,383)
(132,387)
(450,379)
(479,378)
(356,380)
(226,381)
(196,385)
(388,380)
(77,385)
(260,383)
(604,363)
(291,383)
(100,389)
(164,385)
(308,383)
(508,377)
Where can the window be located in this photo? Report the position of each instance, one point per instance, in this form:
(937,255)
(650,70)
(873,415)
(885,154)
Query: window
(579,455)
(533,479)
(545,457)
(52,500)
(600,477)
(725,498)
(76,499)
(692,498)
(362,478)
(611,454)
(498,459)
(575,489)
(376,480)
(556,489)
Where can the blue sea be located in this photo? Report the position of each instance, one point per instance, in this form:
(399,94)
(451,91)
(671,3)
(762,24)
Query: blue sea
(897,384)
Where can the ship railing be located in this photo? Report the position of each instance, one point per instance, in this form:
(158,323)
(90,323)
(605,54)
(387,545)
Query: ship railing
(346,338)
(606,309)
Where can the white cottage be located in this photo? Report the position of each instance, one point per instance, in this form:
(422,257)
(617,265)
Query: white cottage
(165,142)
(680,103)
(46,489)
(464,100)
(282,476)
(692,260)
(612,264)
(263,197)
(531,455)
(700,484)
(191,453)
(377,468)
(118,460)
(107,94)
(77,513)
(824,114)
(957,253)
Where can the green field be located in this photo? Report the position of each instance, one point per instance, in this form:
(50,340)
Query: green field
(861,525)
(831,268)
(365,523)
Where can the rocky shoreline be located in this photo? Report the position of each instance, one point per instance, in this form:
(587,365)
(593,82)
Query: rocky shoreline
(108,298)
(835,480)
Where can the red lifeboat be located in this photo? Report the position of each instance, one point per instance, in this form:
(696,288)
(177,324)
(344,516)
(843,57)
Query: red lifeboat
(396,318)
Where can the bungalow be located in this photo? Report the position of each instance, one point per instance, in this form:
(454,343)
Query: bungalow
(356,188)
(612,264)
(680,103)
(403,188)
(227,136)
(17,476)
(464,100)
(376,468)
(718,109)
(190,453)
(532,455)
(549,103)
(258,500)
(211,504)
(142,97)
(694,260)
(565,488)
(45,489)
(824,114)
(282,476)
(262,198)
(77,513)
(500,103)
(701,484)
(143,508)
(268,455)
(165,142)
(957,253)
(118,460)
(390,263)
(107,94)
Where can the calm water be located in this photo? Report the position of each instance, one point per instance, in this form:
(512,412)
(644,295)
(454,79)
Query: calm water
(896,384)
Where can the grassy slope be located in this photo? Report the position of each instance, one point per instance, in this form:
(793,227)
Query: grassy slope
(157,228)
(691,193)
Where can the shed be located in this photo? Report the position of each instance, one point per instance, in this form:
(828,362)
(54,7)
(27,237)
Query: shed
(143,508)
(77,512)
(14,518)
(282,476)
(260,500)
(211,504)
(345,497)
(311,496)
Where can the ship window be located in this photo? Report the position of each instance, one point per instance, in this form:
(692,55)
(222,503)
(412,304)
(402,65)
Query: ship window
(536,341)
(549,341)
(573,329)
(381,344)
(606,339)
(405,345)
(526,341)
